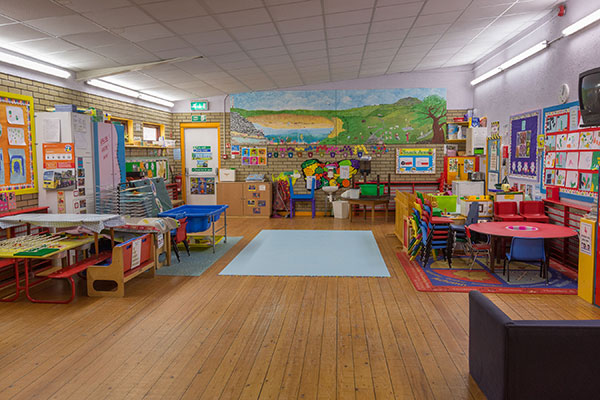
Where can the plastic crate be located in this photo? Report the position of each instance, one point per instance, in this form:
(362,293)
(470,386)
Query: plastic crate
(447,203)
(370,189)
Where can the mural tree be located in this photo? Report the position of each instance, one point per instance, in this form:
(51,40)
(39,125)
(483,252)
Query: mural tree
(432,110)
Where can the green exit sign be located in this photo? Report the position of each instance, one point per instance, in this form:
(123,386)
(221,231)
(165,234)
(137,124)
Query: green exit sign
(198,118)
(199,105)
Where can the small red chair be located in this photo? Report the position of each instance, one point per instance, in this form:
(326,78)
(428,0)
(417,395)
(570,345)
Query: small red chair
(533,211)
(506,211)
(179,235)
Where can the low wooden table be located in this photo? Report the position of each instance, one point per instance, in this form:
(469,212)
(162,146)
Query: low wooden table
(372,203)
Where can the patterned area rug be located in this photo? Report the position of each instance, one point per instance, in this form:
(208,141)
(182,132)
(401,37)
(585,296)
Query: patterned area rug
(524,278)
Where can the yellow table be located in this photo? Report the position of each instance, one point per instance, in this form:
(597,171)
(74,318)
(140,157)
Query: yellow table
(40,247)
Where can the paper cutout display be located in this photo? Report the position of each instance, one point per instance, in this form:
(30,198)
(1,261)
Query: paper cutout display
(524,130)
(572,160)
(17,165)
(572,181)
(14,115)
(319,170)
(16,136)
(561,177)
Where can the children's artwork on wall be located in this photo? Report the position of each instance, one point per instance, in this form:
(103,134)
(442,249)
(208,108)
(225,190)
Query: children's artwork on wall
(493,161)
(254,156)
(550,143)
(572,160)
(524,132)
(415,161)
(202,186)
(549,160)
(572,181)
(17,139)
(550,176)
(578,162)
(453,165)
(378,116)
(561,177)
(341,172)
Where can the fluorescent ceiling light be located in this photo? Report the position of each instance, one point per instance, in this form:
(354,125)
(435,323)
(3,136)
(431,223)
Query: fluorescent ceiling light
(129,92)
(515,60)
(526,54)
(33,65)
(485,76)
(113,88)
(156,100)
(582,23)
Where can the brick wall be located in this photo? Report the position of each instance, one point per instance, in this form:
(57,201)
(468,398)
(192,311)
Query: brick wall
(46,95)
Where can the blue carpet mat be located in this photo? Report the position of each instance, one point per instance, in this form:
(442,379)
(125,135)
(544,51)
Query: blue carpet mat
(198,261)
(310,253)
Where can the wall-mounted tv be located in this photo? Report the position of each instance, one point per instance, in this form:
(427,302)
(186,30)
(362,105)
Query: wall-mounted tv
(589,97)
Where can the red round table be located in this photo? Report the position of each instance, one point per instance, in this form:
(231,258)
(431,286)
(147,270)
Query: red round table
(520,229)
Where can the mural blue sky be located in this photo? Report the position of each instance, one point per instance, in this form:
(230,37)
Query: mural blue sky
(327,99)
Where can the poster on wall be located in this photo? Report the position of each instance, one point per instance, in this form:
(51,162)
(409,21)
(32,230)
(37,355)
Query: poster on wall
(524,132)
(338,173)
(17,150)
(493,160)
(415,161)
(325,117)
(254,156)
(202,186)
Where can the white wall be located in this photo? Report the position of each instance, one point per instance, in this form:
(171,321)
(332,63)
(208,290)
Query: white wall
(459,93)
(535,83)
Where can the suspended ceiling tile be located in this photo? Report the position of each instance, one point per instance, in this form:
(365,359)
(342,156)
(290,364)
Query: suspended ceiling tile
(193,25)
(254,31)
(392,25)
(296,10)
(198,65)
(117,17)
(346,41)
(302,37)
(387,36)
(244,18)
(140,33)
(335,6)
(348,30)
(64,25)
(300,25)
(92,5)
(415,41)
(428,30)
(5,20)
(174,9)
(42,46)
(219,48)
(308,46)
(94,39)
(174,53)
(348,18)
(440,6)
(260,43)
(437,19)
(238,56)
(205,38)
(18,33)
(397,11)
(172,94)
(220,6)
(161,44)
(268,52)
(385,45)
(24,10)
(357,48)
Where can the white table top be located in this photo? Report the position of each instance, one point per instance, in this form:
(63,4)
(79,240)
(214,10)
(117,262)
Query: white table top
(93,222)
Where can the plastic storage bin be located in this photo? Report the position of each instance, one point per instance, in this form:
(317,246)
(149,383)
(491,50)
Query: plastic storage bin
(198,217)
(447,203)
(370,189)
(341,209)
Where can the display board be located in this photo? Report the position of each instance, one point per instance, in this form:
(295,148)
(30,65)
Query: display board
(494,161)
(17,144)
(415,161)
(524,130)
(571,154)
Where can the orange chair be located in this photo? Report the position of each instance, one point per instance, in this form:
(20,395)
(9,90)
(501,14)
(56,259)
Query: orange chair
(533,211)
(506,211)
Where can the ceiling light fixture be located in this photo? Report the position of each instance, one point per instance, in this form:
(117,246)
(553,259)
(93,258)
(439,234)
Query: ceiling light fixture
(33,65)
(507,64)
(582,23)
(129,92)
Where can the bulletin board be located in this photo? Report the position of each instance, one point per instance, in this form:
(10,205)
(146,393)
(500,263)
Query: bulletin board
(571,154)
(17,144)
(415,161)
(254,156)
(524,130)
(494,161)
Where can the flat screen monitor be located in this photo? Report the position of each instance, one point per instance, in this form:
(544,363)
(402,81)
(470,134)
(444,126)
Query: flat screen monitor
(589,97)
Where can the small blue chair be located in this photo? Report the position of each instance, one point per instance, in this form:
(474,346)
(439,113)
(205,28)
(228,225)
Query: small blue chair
(526,249)
(302,197)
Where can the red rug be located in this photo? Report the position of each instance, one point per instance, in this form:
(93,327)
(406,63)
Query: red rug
(438,277)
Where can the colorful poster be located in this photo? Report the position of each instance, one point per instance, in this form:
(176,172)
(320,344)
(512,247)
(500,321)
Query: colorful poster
(415,161)
(202,186)
(254,156)
(585,237)
(58,155)
(524,132)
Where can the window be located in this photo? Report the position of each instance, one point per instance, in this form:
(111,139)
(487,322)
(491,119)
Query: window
(128,124)
(151,132)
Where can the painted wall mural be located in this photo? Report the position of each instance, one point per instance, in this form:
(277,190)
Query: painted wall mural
(326,117)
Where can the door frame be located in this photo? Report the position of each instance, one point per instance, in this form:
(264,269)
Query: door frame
(186,125)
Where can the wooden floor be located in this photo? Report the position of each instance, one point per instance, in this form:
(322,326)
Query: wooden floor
(230,337)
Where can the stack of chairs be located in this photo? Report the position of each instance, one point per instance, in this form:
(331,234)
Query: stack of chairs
(430,234)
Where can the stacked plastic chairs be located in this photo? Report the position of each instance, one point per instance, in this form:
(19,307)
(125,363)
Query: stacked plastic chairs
(430,234)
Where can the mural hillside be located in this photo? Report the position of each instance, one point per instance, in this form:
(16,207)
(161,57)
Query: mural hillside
(386,116)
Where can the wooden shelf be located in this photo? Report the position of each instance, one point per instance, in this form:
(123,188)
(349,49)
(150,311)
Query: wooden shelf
(463,123)
(148,146)
(456,140)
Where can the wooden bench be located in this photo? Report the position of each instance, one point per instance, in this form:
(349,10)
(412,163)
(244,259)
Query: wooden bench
(129,259)
(70,270)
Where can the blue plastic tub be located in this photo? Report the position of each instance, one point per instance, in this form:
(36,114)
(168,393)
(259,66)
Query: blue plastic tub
(198,217)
